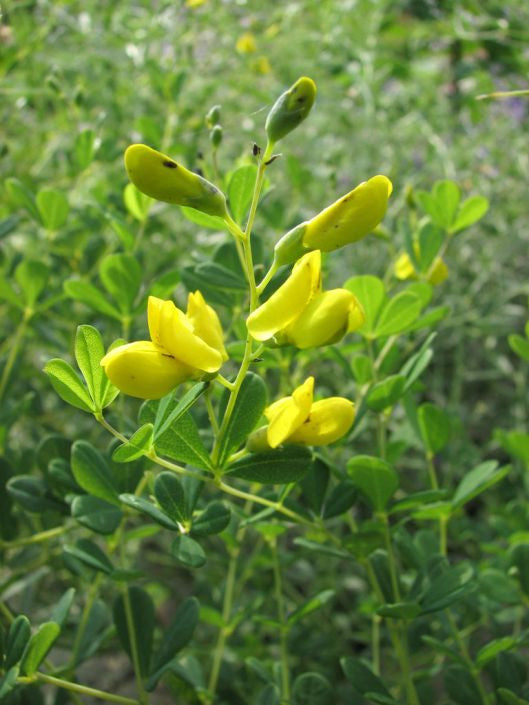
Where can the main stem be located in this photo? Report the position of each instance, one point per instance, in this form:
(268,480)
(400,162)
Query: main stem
(281,614)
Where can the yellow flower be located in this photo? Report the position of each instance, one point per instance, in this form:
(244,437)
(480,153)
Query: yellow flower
(300,314)
(160,177)
(261,65)
(183,346)
(195,3)
(298,419)
(246,44)
(404,269)
(348,220)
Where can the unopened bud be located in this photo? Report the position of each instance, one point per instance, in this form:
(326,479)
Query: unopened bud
(290,109)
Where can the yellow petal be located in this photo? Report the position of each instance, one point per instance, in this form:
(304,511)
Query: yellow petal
(143,369)
(289,300)
(329,420)
(246,43)
(206,323)
(351,217)
(438,272)
(175,334)
(404,268)
(287,414)
(160,177)
(325,319)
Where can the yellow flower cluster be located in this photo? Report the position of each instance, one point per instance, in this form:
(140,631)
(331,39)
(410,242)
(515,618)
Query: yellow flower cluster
(183,346)
(298,419)
(299,313)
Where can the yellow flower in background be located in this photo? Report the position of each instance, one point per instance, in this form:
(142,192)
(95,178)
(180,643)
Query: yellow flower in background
(299,419)
(348,220)
(183,346)
(195,3)
(160,177)
(246,43)
(300,314)
(404,269)
(261,65)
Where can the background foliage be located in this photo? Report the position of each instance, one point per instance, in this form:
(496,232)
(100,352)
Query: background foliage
(397,86)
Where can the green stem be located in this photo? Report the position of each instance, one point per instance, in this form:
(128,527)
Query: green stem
(92,594)
(77,688)
(225,382)
(265,502)
(142,694)
(13,352)
(36,538)
(267,277)
(281,614)
(211,412)
(458,639)
(391,557)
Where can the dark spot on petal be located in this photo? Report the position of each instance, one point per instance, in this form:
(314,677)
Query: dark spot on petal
(170,165)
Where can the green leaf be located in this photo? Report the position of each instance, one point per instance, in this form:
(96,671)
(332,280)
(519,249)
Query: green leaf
(145,507)
(269,695)
(240,190)
(447,588)
(67,384)
(53,208)
(370,292)
(315,547)
(400,610)
(121,277)
(478,480)
(164,285)
(219,276)
(83,149)
(446,195)
(435,427)
(137,203)
(417,363)
(91,555)
(8,682)
(206,221)
(398,313)
(342,497)
(33,494)
(17,639)
(375,478)
(362,677)
(96,514)
(38,647)
(187,551)
(314,485)
(125,235)
(430,242)
(170,496)
(32,277)
(493,648)
(275,467)
(520,346)
(167,414)
(461,686)
(510,698)
(214,519)
(312,689)
(516,443)
(313,604)
(139,444)
(142,618)
(89,352)
(182,442)
(177,635)
(472,210)
(248,409)
(90,295)
(21,196)
(62,609)
(386,392)
(7,293)
(92,473)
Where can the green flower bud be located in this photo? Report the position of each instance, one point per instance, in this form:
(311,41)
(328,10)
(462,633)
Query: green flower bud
(290,109)
(216,135)
(160,177)
(213,116)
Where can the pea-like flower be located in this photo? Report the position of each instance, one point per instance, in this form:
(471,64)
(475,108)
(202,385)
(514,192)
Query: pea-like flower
(160,177)
(348,220)
(300,420)
(183,346)
(300,314)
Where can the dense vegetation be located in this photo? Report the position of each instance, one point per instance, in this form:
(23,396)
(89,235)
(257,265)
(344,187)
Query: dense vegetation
(391,566)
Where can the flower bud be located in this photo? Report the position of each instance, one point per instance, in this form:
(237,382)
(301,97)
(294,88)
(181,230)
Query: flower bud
(160,177)
(145,370)
(290,109)
(216,135)
(213,116)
